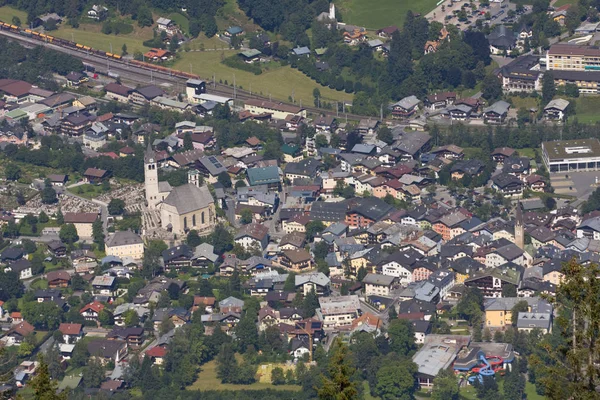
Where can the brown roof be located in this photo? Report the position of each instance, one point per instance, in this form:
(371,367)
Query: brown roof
(15,88)
(80,218)
(118,89)
(254,230)
(157,351)
(441,96)
(367,319)
(573,50)
(207,301)
(253,141)
(57,177)
(301,219)
(127,150)
(111,385)
(105,117)
(503,151)
(23,328)
(55,275)
(70,329)
(274,106)
(294,238)
(297,256)
(95,172)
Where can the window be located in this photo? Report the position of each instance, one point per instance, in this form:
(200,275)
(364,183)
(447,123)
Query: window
(202,217)
(193,220)
(184,223)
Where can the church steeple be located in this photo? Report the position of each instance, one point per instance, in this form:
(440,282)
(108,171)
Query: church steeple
(149,155)
(151,178)
(519,229)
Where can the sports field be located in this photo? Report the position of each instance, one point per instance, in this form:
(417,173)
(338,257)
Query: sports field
(374,15)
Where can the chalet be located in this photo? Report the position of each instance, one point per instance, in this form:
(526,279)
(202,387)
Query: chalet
(536,183)
(104,285)
(76,78)
(517,166)
(296,260)
(133,336)
(178,316)
(83,223)
(166,25)
(387,32)
(95,175)
(471,168)
(145,94)
(117,92)
(91,311)
(556,110)
(502,153)
(460,112)
(368,126)
(326,123)
(440,100)
(71,332)
(157,354)
(58,279)
(496,113)
(22,267)
(406,107)
(157,55)
(491,280)
(106,350)
(508,185)
(292,241)
(317,282)
(17,333)
(378,285)
(178,257)
(253,234)
(368,211)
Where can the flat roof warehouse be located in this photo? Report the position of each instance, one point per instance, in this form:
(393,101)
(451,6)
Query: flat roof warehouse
(565,149)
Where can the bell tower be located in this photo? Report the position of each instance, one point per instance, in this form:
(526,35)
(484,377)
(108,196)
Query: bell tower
(151,178)
(519,229)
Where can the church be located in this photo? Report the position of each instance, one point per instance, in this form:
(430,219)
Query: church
(183,208)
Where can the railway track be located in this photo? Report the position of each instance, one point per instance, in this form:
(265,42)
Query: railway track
(139,74)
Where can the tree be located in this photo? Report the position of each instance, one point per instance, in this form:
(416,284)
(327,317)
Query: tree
(105,318)
(509,290)
(68,234)
(226,364)
(246,216)
(338,383)
(193,239)
(277,376)
(44,388)
(314,227)
(80,354)
(173,291)
(514,382)
(77,282)
(402,337)
(144,17)
(93,374)
(224,179)
(321,250)
(131,318)
(573,18)
(60,219)
(12,172)
(222,239)
(48,193)
(548,88)
(491,87)
(321,141)
(571,90)
(43,217)
(397,381)
(116,206)
(310,304)
(385,135)
(521,306)
(16,20)
(124,50)
(98,233)
(445,386)
(487,335)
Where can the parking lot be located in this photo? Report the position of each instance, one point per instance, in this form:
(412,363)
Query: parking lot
(449,12)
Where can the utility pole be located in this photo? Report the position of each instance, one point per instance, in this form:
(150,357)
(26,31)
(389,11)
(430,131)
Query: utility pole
(191,68)
(381,112)
(234,87)
(337,109)
(110,46)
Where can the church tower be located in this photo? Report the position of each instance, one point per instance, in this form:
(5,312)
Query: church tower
(151,178)
(519,230)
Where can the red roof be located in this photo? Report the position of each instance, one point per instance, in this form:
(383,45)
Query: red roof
(15,314)
(70,329)
(110,154)
(94,306)
(127,150)
(24,328)
(208,301)
(253,141)
(157,352)
(105,117)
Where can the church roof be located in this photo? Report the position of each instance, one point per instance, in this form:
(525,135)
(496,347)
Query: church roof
(188,198)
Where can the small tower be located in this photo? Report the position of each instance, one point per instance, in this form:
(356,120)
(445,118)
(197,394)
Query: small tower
(194,177)
(519,230)
(151,178)
(332,12)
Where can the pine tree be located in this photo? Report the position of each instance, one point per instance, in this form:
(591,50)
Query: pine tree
(338,384)
(43,387)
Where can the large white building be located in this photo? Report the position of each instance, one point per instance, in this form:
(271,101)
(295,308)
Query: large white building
(572,155)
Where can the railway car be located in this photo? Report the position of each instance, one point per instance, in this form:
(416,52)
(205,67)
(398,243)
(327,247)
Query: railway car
(35,33)
(14,27)
(49,38)
(87,48)
(116,56)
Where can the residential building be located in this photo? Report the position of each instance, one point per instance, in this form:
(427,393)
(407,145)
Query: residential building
(337,312)
(556,110)
(125,244)
(378,285)
(498,311)
(296,260)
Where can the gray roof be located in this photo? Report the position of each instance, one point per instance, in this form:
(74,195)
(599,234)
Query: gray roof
(231,302)
(509,252)
(411,143)
(559,104)
(307,167)
(439,352)
(124,238)
(214,164)
(299,51)
(537,304)
(150,92)
(375,43)
(339,304)
(317,278)
(207,251)
(407,103)
(377,279)
(363,148)
(189,197)
(426,291)
(534,320)
(500,107)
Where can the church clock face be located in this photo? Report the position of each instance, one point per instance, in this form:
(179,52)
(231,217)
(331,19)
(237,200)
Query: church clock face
(151,160)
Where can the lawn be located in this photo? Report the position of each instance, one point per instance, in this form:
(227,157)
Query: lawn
(91,35)
(207,380)
(386,13)
(39,284)
(526,102)
(87,191)
(586,110)
(469,392)
(280,83)
(7,13)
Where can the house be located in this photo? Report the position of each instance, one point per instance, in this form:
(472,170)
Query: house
(91,311)
(502,153)
(502,40)
(405,107)
(117,92)
(387,32)
(368,211)
(178,316)
(496,113)
(157,354)
(325,124)
(440,100)
(296,260)
(157,55)
(536,183)
(97,12)
(58,279)
(527,321)
(296,224)
(22,267)
(231,304)
(375,44)
(106,350)
(303,169)
(291,153)
(292,241)
(337,312)
(178,257)
(76,78)
(75,124)
(253,235)
(517,166)
(317,281)
(508,185)
(94,140)
(498,311)
(460,112)
(104,285)
(264,176)
(72,333)
(470,168)
(95,175)
(166,25)
(233,31)
(378,285)
(125,244)
(145,94)
(301,51)
(509,253)
(134,336)
(556,110)
(18,333)
(491,280)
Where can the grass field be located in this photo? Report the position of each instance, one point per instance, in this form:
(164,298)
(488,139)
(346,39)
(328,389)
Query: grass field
(527,102)
(207,380)
(279,82)
(387,12)
(88,191)
(91,35)
(7,13)
(469,393)
(586,110)
(181,21)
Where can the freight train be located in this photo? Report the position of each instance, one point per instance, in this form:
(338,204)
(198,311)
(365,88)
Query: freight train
(87,49)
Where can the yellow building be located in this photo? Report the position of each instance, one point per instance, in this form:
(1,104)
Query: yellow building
(83,223)
(498,311)
(125,244)
(277,110)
